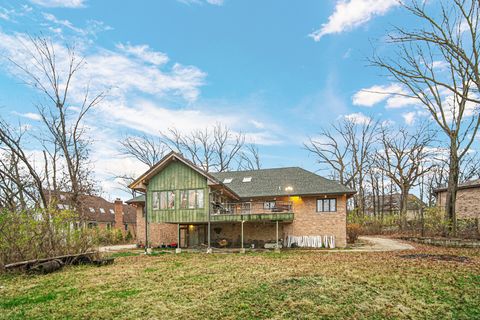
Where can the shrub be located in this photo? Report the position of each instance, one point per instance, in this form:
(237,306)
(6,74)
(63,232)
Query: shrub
(118,236)
(353,231)
(41,233)
(129,236)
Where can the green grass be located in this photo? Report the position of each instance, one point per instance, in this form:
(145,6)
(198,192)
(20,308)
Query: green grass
(290,285)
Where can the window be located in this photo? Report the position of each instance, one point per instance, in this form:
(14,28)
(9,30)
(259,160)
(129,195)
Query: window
(191,199)
(92,210)
(171,199)
(183,199)
(111,211)
(326,205)
(269,205)
(162,200)
(156,200)
(126,226)
(247,179)
(102,210)
(227,180)
(200,202)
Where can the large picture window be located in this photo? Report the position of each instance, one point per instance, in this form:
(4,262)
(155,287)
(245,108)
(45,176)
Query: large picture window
(162,200)
(183,199)
(327,205)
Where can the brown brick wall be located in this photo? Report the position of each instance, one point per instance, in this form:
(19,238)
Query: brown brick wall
(467,205)
(307,222)
(159,233)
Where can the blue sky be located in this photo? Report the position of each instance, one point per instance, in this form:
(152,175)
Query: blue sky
(276,70)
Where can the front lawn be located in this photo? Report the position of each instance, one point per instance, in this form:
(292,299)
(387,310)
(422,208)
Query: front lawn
(293,284)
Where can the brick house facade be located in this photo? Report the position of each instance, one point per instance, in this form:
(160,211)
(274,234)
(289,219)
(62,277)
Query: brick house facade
(468,200)
(299,202)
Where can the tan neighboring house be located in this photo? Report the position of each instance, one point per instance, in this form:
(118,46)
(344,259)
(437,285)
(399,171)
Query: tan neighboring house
(183,205)
(468,199)
(390,205)
(95,212)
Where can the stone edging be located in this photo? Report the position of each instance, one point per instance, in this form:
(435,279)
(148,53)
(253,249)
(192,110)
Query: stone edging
(443,242)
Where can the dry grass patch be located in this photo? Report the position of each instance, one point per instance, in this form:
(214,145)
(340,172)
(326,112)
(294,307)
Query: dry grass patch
(293,284)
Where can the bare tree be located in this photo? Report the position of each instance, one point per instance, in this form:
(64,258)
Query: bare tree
(63,134)
(450,94)
(250,158)
(146,149)
(404,159)
(346,150)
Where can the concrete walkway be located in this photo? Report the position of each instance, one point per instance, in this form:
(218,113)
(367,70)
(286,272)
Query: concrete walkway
(381,244)
(119,247)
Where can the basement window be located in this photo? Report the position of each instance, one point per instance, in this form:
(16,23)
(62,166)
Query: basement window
(247,179)
(228,180)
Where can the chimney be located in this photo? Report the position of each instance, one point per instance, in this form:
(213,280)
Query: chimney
(118,208)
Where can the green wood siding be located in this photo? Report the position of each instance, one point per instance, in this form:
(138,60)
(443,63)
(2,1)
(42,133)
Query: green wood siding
(177,176)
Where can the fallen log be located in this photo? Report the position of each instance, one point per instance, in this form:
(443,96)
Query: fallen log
(78,258)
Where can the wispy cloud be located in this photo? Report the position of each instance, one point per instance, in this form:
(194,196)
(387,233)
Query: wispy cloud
(29,115)
(145,53)
(60,3)
(393,94)
(358,118)
(212,2)
(351,14)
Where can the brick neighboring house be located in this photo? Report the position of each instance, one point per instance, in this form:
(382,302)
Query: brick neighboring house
(97,212)
(468,199)
(184,204)
(390,205)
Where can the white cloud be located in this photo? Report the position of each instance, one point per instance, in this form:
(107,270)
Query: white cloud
(60,3)
(212,2)
(145,53)
(29,115)
(351,14)
(117,71)
(358,118)
(50,17)
(409,117)
(393,94)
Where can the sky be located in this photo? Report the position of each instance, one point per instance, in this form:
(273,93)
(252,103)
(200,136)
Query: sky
(277,70)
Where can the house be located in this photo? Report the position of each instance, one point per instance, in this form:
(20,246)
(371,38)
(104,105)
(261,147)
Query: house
(95,211)
(185,205)
(390,205)
(468,199)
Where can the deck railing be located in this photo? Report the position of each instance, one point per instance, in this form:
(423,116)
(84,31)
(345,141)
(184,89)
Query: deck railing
(251,207)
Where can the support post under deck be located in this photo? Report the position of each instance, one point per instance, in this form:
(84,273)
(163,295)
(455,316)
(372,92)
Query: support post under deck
(242,249)
(178,249)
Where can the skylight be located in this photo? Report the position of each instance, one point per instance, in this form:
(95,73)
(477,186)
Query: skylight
(227,180)
(111,211)
(102,210)
(91,209)
(247,179)
(62,197)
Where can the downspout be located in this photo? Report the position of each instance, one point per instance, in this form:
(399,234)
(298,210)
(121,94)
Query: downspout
(146,222)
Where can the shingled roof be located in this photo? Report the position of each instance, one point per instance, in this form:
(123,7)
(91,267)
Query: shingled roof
(279,182)
(465,185)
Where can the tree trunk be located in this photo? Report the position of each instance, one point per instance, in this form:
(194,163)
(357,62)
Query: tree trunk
(452,187)
(404,206)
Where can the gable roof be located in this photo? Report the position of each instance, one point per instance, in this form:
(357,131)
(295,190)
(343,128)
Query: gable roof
(465,185)
(139,183)
(93,208)
(278,181)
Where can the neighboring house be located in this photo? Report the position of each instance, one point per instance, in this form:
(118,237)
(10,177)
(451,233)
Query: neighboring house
(185,205)
(390,204)
(467,205)
(98,212)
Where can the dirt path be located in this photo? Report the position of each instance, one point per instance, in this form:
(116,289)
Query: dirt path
(382,244)
(117,247)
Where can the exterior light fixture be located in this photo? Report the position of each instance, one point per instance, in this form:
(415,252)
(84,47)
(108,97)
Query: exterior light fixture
(289,189)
